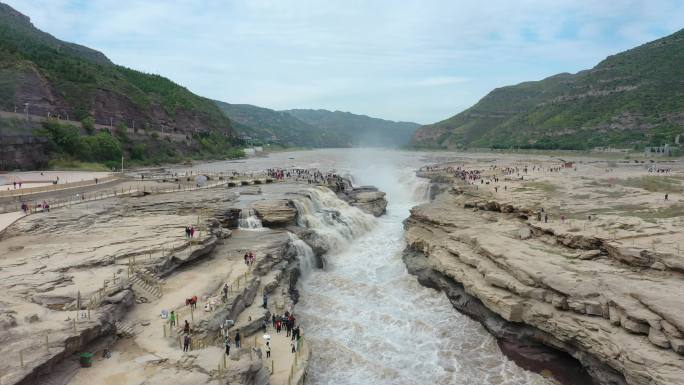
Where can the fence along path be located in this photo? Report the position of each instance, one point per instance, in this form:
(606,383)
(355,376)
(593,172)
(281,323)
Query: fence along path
(292,371)
(84,315)
(57,187)
(95,196)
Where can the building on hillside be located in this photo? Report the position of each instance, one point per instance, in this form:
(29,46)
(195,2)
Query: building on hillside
(665,150)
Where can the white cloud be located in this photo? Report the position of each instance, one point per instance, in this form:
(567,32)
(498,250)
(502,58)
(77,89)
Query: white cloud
(416,60)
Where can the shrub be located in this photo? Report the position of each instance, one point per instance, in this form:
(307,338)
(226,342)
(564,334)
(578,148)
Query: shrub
(88,124)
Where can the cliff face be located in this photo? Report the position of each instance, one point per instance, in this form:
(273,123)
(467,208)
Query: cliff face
(542,291)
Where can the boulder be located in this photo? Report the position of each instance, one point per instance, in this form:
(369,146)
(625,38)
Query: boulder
(275,212)
(55,302)
(367,198)
(591,254)
(658,338)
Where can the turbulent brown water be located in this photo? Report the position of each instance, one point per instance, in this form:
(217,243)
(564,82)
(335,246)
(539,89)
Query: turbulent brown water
(368,320)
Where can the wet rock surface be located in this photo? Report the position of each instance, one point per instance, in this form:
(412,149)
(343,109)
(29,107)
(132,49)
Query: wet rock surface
(367,198)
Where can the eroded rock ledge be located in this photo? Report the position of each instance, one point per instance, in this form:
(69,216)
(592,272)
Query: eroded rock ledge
(368,198)
(283,212)
(605,305)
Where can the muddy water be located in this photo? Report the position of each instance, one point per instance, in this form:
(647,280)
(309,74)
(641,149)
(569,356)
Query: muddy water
(368,320)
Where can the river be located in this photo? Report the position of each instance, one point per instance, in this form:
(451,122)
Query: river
(367,319)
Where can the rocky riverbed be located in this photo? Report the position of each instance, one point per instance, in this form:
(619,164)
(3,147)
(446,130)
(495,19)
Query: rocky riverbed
(593,279)
(96,276)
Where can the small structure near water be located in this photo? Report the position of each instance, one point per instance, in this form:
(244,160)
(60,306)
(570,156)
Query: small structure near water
(665,150)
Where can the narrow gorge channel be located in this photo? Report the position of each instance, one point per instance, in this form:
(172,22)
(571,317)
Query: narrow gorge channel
(369,321)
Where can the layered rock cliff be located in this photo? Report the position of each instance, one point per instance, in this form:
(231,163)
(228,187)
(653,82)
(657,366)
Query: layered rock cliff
(544,292)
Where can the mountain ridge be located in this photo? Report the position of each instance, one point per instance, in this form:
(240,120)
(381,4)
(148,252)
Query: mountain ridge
(57,77)
(269,125)
(92,110)
(316,127)
(628,99)
(360,130)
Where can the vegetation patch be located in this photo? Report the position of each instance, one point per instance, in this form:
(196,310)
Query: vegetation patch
(70,148)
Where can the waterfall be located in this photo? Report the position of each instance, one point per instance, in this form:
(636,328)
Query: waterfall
(420,189)
(248,220)
(305,255)
(331,218)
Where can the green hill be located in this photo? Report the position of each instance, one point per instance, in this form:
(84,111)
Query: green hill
(359,130)
(317,128)
(59,78)
(280,127)
(629,100)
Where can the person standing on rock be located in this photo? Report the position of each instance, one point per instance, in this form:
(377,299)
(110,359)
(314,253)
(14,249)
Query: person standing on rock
(227,346)
(186,342)
(666,196)
(273,320)
(172,319)
(268,350)
(186,327)
(546,218)
(225,292)
(265,301)
(237,339)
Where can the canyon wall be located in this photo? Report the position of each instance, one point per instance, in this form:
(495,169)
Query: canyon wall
(545,292)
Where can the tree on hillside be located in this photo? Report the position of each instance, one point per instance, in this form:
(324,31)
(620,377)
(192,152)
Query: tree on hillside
(88,124)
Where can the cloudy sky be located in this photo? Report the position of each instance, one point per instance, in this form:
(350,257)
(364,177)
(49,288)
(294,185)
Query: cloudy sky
(411,60)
